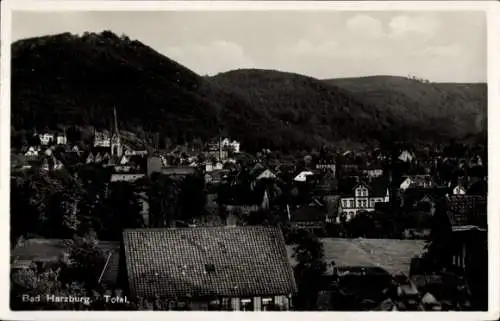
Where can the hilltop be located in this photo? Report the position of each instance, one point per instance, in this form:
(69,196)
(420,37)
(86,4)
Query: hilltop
(77,80)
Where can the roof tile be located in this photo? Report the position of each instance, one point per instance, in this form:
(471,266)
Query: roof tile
(242,261)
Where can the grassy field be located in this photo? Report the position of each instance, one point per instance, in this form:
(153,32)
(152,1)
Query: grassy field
(394,256)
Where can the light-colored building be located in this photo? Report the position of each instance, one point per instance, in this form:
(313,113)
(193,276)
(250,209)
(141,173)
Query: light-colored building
(363,198)
(46,138)
(406,156)
(459,190)
(102,139)
(234,145)
(302,176)
(417,181)
(31,153)
(61,139)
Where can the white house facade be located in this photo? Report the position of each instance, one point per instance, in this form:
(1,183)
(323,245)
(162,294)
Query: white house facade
(364,198)
(302,176)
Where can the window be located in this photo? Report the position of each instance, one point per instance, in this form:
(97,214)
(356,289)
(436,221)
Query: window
(214,305)
(351,204)
(358,203)
(267,304)
(246,305)
(344,203)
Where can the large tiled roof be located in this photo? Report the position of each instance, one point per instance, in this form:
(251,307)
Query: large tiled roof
(207,261)
(467,210)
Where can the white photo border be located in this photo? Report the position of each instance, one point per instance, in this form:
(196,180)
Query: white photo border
(492,9)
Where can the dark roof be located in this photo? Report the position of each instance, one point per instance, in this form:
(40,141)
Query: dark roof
(184,170)
(207,261)
(378,187)
(467,210)
(413,195)
(478,188)
(346,186)
(309,213)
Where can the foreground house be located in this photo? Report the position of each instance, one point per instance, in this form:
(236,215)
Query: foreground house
(210,268)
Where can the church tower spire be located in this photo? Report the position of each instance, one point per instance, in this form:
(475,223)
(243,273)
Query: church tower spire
(116,146)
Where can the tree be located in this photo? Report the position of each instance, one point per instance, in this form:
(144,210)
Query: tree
(43,282)
(163,200)
(121,210)
(309,271)
(87,261)
(192,197)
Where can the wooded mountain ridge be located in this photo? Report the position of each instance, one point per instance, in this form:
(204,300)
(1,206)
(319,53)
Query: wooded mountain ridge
(68,79)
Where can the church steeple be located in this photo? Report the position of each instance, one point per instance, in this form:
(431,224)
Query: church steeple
(116,146)
(114,130)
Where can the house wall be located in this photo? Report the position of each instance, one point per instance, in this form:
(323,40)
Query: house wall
(125,177)
(459,190)
(237,304)
(405,184)
(353,205)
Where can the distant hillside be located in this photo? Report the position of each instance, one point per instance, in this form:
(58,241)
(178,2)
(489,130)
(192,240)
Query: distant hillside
(297,108)
(459,109)
(77,80)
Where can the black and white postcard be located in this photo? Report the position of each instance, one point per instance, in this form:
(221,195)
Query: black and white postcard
(250,156)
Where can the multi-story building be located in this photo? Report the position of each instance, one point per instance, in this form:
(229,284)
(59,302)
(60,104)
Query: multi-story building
(363,197)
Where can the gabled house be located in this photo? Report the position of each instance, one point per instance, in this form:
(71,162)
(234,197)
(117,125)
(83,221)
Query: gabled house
(326,165)
(373,172)
(102,139)
(31,153)
(124,160)
(75,149)
(209,167)
(90,158)
(312,216)
(98,158)
(417,181)
(363,197)
(406,156)
(210,268)
(61,139)
(459,189)
(45,165)
(48,152)
(303,176)
(265,174)
(58,165)
(46,138)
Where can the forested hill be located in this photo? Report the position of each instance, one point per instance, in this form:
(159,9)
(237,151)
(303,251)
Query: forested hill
(67,79)
(459,108)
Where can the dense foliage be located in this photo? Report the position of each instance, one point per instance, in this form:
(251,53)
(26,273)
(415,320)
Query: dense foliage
(67,79)
(444,109)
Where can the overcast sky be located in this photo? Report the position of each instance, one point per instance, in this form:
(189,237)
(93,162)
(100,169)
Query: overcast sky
(439,46)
